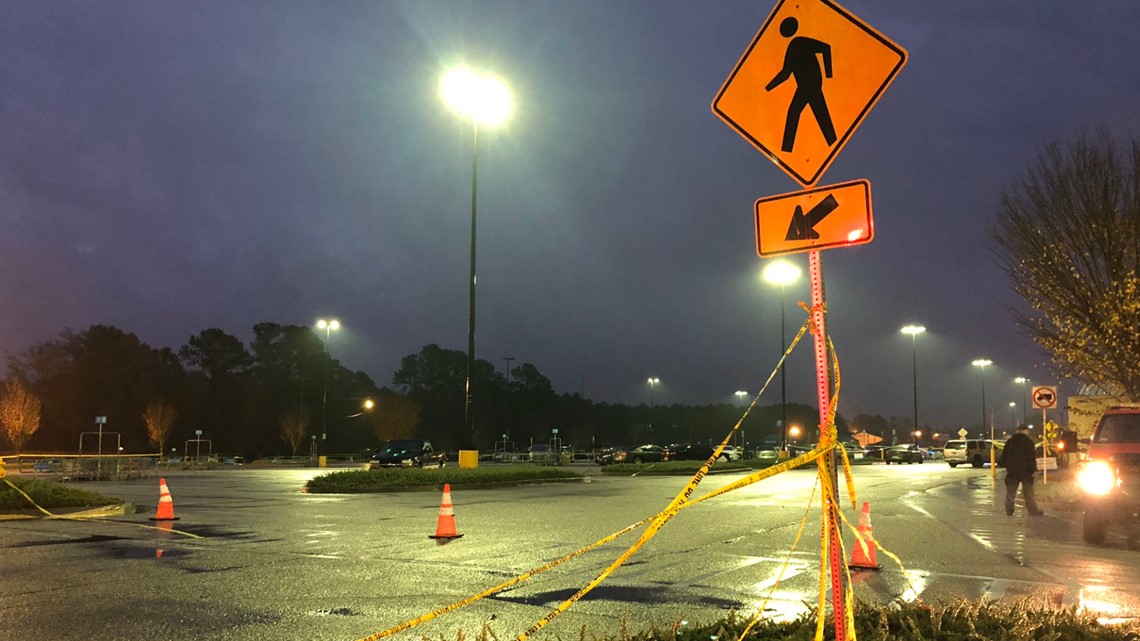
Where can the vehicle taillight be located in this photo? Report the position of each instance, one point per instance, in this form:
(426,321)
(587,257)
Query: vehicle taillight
(1097,478)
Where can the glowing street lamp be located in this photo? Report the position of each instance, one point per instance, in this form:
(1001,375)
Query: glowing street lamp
(914,331)
(484,100)
(740,394)
(329,325)
(782,273)
(982,364)
(795,431)
(1023,382)
(653,381)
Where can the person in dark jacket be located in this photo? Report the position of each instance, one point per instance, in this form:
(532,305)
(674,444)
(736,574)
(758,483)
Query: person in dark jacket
(1020,463)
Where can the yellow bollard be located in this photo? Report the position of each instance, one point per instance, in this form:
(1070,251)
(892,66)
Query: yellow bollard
(468,459)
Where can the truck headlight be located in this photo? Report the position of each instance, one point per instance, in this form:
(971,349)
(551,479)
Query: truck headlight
(1097,478)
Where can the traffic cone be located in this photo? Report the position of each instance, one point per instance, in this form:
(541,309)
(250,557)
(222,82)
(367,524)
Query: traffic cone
(445,525)
(165,510)
(863,558)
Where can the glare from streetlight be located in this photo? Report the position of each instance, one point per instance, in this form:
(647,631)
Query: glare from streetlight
(741,393)
(1021,379)
(795,431)
(332,325)
(913,329)
(780,272)
(982,362)
(483,98)
(369,403)
(654,381)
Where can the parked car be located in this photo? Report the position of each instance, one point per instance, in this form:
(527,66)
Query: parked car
(540,453)
(605,455)
(692,452)
(767,457)
(907,453)
(647,453)
(975,451)
(735,453)
(1110,478)
(407,452)
(875,452)
(47,465)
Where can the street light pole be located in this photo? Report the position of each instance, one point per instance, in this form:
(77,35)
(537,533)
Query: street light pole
(981,364)
(1024,415)
(653,381)
(1012,416)
(782,273)
(329,326)
(485,100)
(914,331)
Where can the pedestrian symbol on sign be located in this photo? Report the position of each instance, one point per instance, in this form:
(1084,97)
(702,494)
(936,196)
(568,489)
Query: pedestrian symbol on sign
(801,62)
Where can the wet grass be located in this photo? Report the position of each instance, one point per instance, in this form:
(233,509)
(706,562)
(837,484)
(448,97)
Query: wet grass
(49,495)
(959,621)
(362,481)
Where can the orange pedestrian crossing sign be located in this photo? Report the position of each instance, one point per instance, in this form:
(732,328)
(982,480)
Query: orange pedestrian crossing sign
(813,219)
(806,82)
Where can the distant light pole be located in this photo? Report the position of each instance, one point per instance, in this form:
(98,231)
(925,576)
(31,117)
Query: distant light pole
(329,326)
(485,100)
(782,273)
(1023,381)
(653,381)
(982,364)
(914,331)
(740,394)
(1013,415)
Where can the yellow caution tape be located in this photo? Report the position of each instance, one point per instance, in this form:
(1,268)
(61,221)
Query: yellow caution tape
(681,501)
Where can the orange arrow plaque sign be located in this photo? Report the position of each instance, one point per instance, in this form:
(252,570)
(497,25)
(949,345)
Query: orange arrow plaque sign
(811,75)
(821,218)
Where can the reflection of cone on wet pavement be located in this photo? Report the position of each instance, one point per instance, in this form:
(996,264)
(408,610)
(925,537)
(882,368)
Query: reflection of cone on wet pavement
(165,510)
(863,558)
(164,528)
(445,525)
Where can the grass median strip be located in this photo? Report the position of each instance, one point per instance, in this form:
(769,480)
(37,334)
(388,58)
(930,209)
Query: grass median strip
(363,481)
(49,495)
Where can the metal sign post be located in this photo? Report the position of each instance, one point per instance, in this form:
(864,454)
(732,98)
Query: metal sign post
(823,385)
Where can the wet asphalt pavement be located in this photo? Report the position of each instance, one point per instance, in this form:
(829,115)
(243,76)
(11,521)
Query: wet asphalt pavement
(276,563)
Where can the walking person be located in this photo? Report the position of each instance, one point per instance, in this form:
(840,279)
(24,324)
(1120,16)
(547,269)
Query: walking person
(1020,463)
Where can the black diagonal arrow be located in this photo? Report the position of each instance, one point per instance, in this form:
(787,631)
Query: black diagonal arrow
(802,227)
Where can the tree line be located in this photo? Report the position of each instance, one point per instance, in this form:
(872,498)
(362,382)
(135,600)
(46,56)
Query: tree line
(282,394)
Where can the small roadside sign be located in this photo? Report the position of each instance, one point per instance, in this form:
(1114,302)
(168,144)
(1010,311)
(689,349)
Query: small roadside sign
(813,219)
(963,433)
(805,83)
(100,420)
(1044,397)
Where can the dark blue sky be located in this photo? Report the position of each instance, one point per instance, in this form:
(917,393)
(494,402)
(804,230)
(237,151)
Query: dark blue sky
(169,166)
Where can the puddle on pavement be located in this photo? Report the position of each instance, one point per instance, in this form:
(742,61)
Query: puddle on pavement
(95,538)
(337,612)
(645,595)
(145,553)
